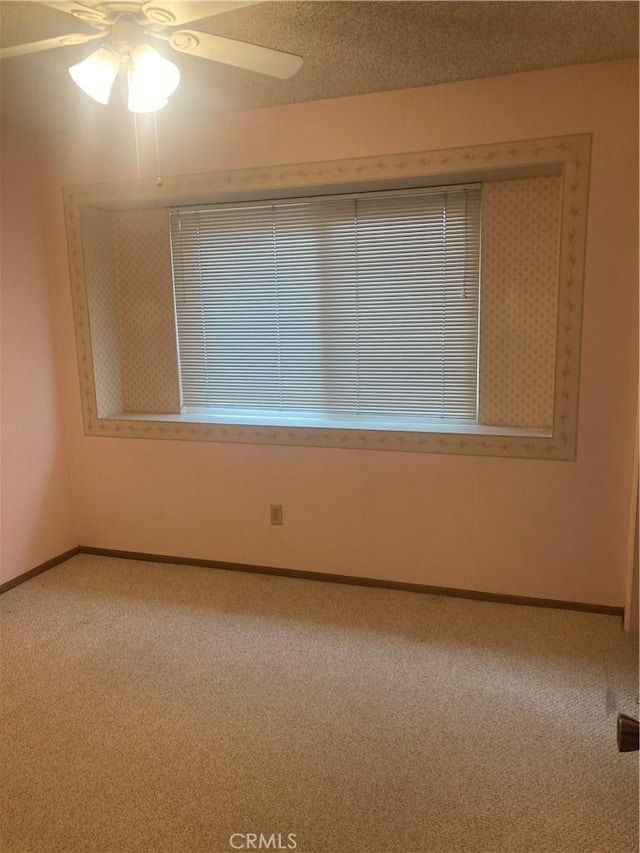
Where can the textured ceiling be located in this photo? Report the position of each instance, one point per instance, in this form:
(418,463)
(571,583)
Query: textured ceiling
(348,48)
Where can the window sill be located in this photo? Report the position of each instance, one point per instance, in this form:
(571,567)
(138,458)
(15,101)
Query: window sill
(458,439)
(336,422)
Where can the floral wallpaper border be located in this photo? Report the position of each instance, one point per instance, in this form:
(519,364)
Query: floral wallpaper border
(573,153)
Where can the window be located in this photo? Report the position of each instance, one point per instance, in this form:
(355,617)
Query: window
(354,310)
(338,349)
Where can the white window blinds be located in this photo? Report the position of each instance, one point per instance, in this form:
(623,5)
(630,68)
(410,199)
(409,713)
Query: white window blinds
(364,306)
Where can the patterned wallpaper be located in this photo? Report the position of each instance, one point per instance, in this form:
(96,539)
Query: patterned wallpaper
(520,249)
(145,301)
(99,263)
(128,268)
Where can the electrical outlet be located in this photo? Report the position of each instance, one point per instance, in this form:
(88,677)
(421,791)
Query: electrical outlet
(276,513)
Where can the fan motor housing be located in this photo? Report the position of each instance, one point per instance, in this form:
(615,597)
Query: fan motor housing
(111,12)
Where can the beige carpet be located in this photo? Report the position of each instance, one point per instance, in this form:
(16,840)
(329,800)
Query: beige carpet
(152,707)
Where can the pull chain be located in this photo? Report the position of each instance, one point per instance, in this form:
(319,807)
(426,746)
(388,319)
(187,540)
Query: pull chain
(135,131)
(159,179)
(155,126)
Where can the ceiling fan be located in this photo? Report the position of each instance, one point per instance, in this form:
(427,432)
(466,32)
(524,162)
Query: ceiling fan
(126,31)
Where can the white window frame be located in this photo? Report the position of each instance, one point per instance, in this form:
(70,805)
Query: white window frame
(567,156)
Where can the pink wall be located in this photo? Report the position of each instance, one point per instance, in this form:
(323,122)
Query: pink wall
(526,527)
(37,521)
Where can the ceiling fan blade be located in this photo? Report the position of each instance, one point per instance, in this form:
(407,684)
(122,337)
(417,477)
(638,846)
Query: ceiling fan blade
(83,11)
(171,14)
(241,54)
(47,44)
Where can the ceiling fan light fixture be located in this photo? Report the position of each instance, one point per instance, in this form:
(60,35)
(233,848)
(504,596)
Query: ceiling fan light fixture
(96,74)
(152,78)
